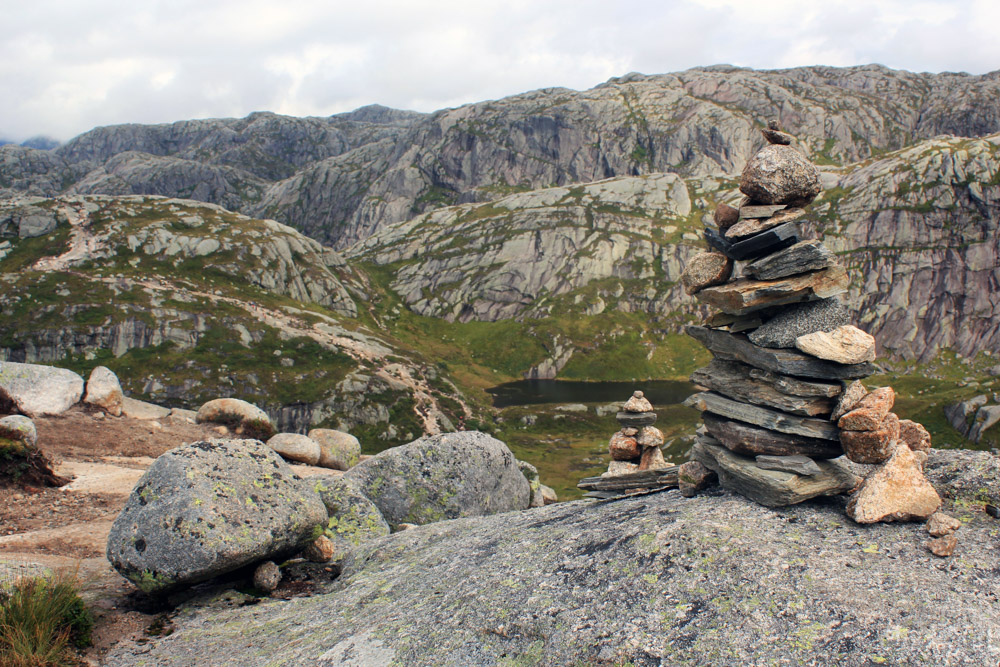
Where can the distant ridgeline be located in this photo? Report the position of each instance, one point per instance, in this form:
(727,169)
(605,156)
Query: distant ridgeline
(542,235)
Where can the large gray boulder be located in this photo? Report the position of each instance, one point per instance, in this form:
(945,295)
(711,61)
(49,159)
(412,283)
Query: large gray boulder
(647,580)
(443,477)
(353,519)
(105,391)
(208,508)
(38,390)
(780,175)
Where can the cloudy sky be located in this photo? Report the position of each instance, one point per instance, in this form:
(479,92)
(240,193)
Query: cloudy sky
(69,65)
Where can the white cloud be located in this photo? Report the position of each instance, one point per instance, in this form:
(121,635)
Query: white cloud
(66,67)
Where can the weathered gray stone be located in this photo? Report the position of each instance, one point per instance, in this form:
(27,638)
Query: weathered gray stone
(36,390)
(777,137)
(737,381)
(19,429)
(582,557)
(914,435)
(320,550)
(795,386)
(780,175)
(295,447)
(753,225)
(446,476)
(786,362)
(136,409)
(758,211)
(746,295)
(353,518)
(845,345)
(244,418)
(338,450)
(734,323)
(772,488)
(764,417)
(635,419)
(208,508)
(104,391)
(795,463)
(808,255)
(637,403)
(798,319)
(751,440)
(267,576)
(850,397)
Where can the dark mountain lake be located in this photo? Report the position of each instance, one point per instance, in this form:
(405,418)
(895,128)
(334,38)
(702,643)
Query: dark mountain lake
(533,392)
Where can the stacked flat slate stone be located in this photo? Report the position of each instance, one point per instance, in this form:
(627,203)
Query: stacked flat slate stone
(782,342)
(636,447)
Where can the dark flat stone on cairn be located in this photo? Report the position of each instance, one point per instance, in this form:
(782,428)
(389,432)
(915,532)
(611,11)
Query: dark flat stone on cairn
(737,347)
(764,417)
(747,228)
(736,380)
(772,488)
(635,419)
(764,243)
(796,387)
(796,463)
(735,323)
(799,319)
(751,440)
(743,296)
(810,255)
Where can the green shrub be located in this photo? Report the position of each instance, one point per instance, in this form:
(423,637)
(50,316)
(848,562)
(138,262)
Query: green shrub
(41,618)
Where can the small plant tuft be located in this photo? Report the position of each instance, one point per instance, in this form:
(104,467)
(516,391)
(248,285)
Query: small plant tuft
(41,620)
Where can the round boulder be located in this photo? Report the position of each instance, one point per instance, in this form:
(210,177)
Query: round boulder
(244,418)
(36,390)
(19,428)
(295,447)
(444,476)
(337,450)
(104,391)
(208,508)
(780,174)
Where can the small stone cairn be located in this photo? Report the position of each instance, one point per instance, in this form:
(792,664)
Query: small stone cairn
(782,399)
(636,447)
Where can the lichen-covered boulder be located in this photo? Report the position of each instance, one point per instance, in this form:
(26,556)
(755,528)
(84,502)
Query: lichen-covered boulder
(337,450)
(208,508)
(353,518)
(37,390)
(244,418)
(780,175)
(18,428)
(104,391)
(443,477)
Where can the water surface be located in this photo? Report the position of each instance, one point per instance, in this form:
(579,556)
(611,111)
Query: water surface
(533,392)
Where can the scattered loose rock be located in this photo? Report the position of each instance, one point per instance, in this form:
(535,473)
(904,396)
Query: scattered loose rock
(898,491)
(242,417)
(693,477)
(941,524)
(267,576)
(338,450)
(943,546)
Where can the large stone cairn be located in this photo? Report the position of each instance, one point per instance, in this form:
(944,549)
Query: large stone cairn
(636,447)
(782,398)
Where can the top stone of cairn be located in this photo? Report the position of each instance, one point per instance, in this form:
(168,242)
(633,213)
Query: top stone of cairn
(779,174)
(637,403)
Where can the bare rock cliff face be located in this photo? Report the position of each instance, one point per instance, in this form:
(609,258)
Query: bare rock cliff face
(341,179)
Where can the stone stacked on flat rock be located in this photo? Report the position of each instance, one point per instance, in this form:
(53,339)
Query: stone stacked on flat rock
(636,447)
(779,405)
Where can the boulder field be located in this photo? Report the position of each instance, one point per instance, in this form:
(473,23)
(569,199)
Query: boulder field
(646,580)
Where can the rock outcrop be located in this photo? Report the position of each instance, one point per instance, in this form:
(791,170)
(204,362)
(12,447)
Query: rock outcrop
(208,508)
(442,477)
(36,390)
(726,581)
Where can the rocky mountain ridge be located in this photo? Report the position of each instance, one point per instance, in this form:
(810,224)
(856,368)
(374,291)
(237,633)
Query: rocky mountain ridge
(341,179)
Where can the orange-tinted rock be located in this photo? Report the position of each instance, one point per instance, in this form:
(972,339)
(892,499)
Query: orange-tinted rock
(706,269)
(914,435)
(650,436)
(941,524)
(652,458)
(623,448)
(872,446)
(898,491)
(870,411)
(943,546)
